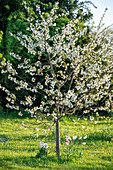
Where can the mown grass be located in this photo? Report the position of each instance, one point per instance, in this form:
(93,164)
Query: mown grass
(19,146)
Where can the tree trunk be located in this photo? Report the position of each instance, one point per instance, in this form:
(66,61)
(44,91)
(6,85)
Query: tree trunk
(57,139)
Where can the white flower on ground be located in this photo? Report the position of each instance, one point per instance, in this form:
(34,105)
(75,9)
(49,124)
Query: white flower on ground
(41,144)
(85,137)
(45,145)
(83,143)
(83,127)
(37,129)
(85,118)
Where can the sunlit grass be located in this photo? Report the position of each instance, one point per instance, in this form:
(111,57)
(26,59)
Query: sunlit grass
(19,147)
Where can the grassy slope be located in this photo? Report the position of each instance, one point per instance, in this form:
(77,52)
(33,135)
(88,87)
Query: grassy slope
(18,146)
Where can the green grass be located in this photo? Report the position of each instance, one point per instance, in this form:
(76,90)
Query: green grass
(18,146)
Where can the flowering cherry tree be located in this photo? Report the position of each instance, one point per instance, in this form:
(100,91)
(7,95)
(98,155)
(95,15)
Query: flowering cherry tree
(66,76)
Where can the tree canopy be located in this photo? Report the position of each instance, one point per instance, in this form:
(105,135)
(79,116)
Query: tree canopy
(13,19)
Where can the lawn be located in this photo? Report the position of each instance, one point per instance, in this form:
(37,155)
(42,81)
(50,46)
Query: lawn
(92,147)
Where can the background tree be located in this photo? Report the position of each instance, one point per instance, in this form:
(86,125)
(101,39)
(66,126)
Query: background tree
(68,77)
(1,59)
(12,19)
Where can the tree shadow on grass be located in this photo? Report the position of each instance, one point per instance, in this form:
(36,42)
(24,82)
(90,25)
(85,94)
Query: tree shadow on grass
(31,162)
(46,163)
(102,135)
(105,123)
(107,157)
(13,115)
(3,138)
